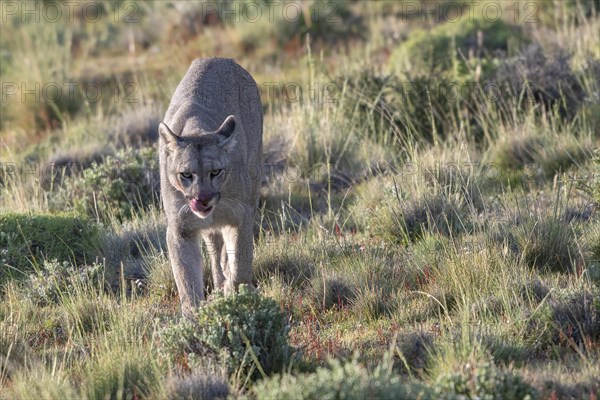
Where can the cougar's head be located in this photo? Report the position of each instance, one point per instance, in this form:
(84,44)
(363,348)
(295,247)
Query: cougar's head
(198,165)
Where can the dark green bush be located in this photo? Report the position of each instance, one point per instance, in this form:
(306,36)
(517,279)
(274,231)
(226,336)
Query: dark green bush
(323,20)
(446,46)
(484,381)
(340,381)
(229,329)
(118,187)
(26,240)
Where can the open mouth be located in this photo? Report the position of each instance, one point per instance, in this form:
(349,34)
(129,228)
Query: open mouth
(206,212)
(200,209)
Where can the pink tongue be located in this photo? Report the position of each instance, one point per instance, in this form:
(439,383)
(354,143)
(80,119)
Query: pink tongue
(197,206)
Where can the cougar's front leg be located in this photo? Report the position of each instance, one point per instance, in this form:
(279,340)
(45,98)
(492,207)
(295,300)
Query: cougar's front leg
(186,262)
(239,245)
(218,257)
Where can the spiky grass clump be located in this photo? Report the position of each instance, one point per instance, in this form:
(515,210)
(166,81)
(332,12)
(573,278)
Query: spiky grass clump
(548,243)
(118,374)
(538,155)
(196,386)
(407,207)
(478,279)
(292,262)
(569,319)
(38,382)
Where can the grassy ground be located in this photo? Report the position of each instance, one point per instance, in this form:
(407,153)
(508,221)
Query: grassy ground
(428,224)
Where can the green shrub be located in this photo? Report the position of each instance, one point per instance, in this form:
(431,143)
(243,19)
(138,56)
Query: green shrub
(48,284)
(120,186)
(27,240)
(447,45)
(484,381)
(233,330)
(323,20)
(340,381)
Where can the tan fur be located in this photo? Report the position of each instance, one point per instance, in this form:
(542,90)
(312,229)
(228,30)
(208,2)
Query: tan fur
(210,147)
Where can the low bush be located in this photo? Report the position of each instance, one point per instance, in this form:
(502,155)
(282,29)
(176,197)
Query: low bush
(245,331)
(53,280)
(26,240)
(340,381)
(116,188)
(483,381)
(446,46)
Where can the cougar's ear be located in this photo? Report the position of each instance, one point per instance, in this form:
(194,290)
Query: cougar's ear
(168,136)
(226,133)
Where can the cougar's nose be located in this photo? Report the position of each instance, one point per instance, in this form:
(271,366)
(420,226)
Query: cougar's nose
(205,197)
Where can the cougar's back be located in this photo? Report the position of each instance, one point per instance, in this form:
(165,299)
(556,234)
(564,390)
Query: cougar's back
(211,90)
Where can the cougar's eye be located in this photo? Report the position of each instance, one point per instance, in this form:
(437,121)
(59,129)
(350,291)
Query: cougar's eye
(186,175)
(216,172)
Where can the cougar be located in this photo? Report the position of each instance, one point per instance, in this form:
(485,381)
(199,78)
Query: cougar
(210,147)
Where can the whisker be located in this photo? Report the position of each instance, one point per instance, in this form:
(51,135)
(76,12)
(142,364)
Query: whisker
(226,203)
(183,208)
(235,206)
